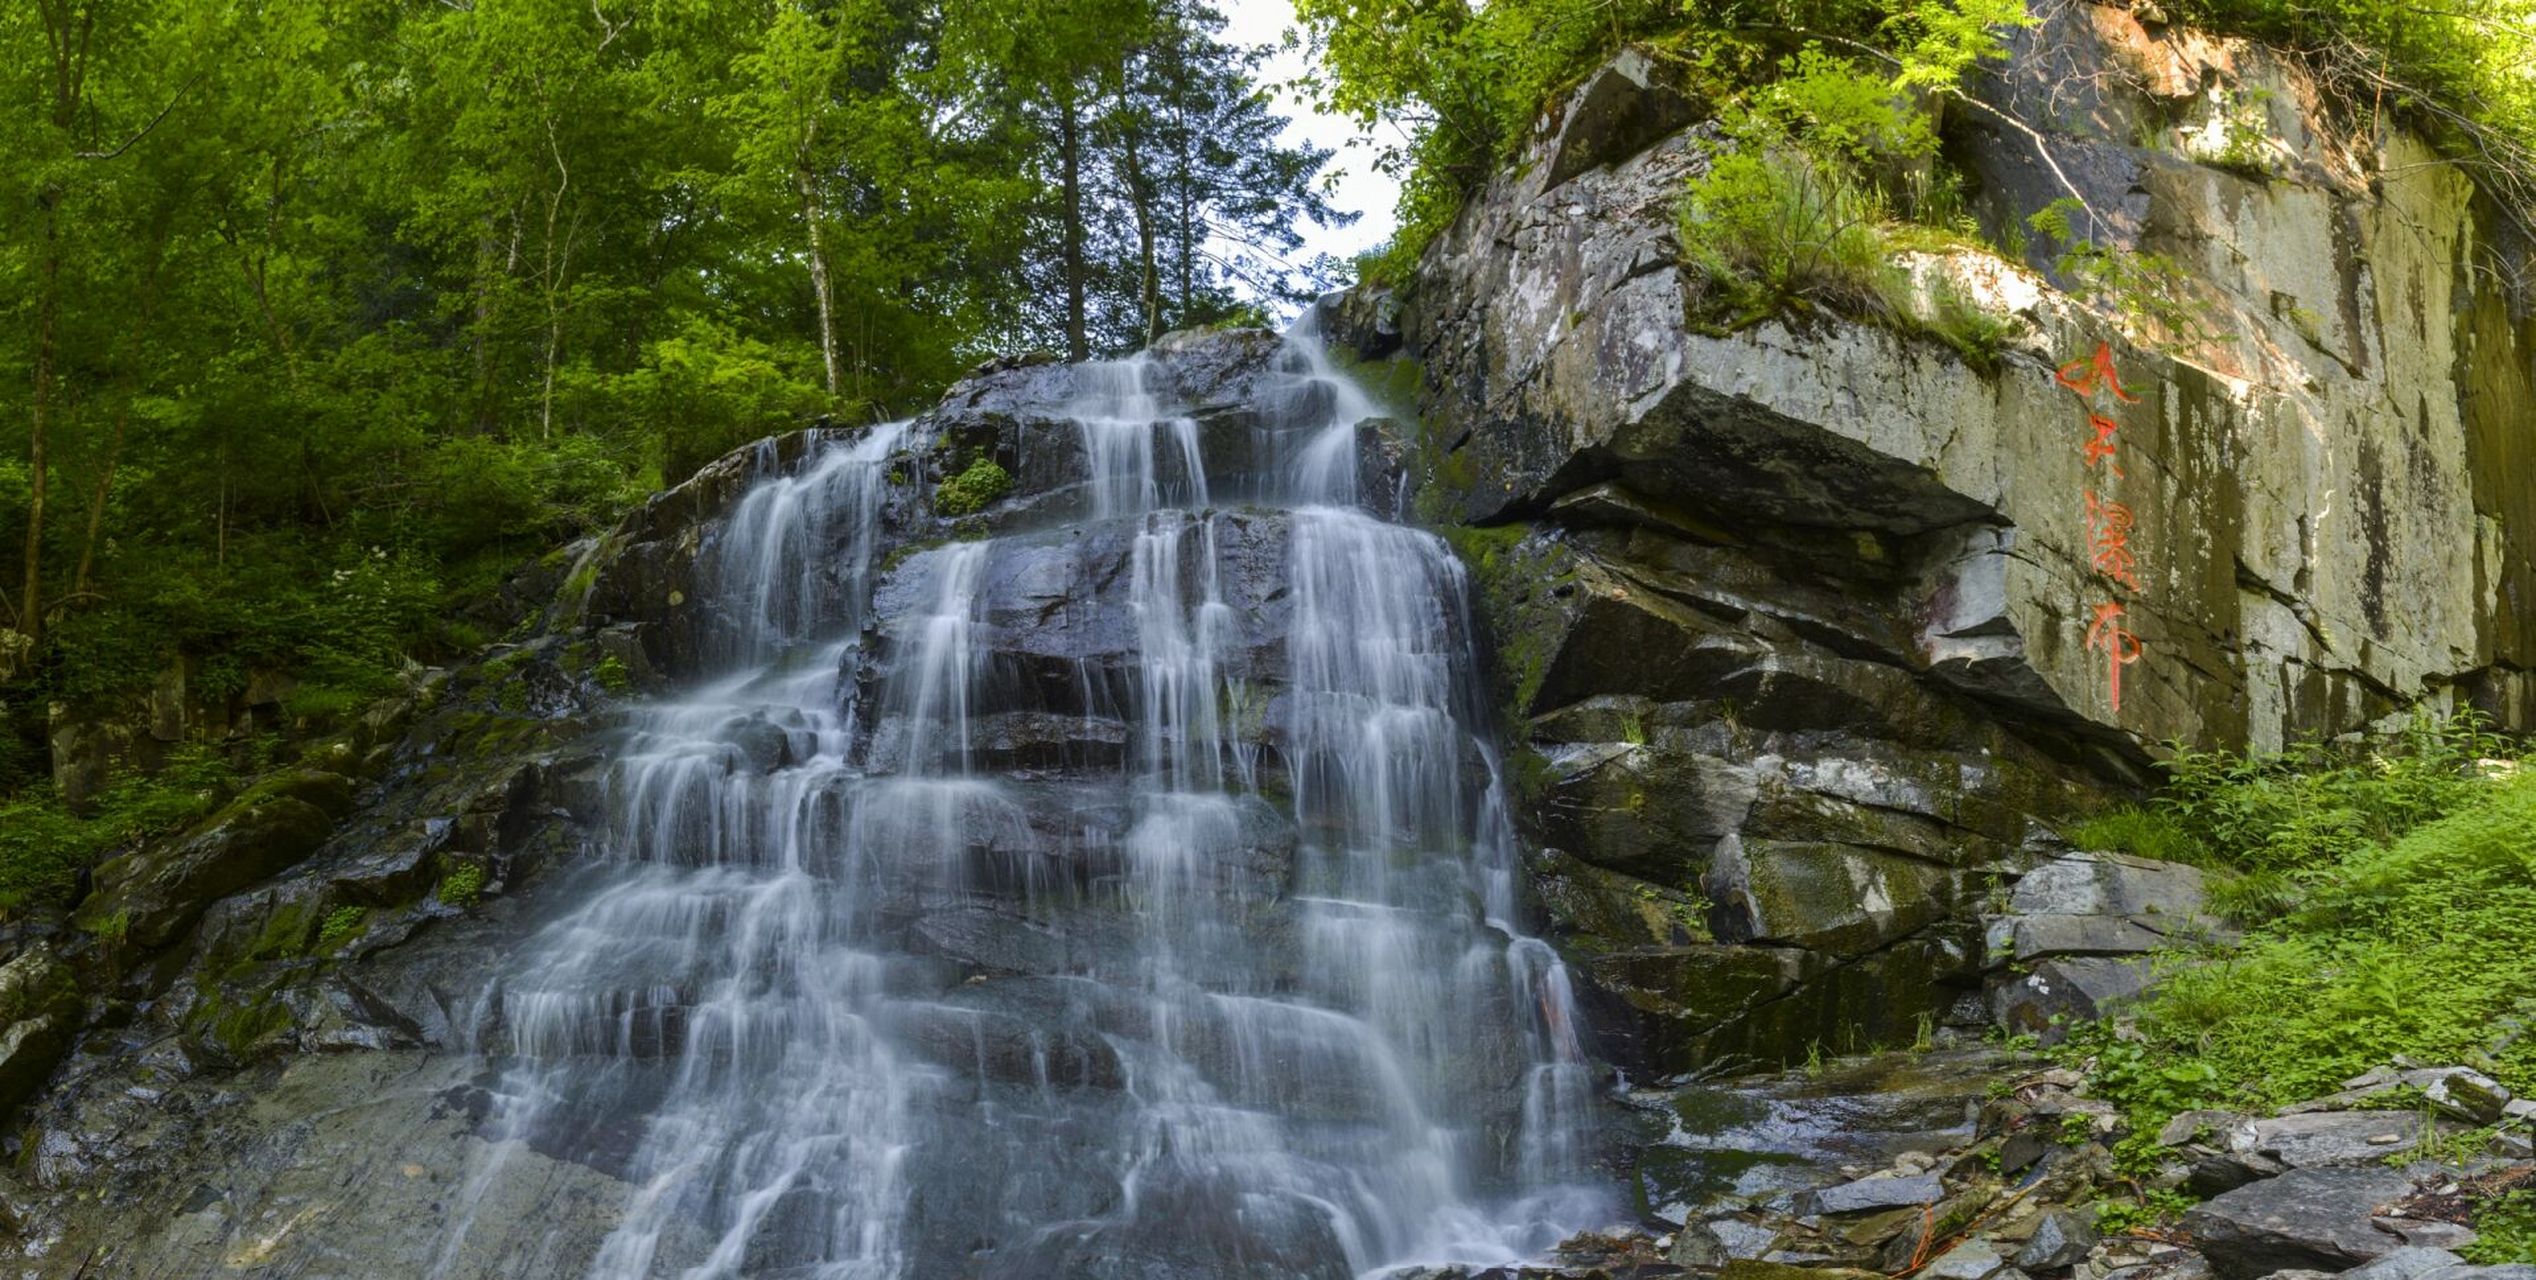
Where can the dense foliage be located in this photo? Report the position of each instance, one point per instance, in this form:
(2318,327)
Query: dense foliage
(317,315)
(2390,894)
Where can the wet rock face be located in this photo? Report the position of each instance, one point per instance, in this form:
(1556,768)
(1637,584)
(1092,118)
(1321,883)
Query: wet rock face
(1115,863)
(1796,617)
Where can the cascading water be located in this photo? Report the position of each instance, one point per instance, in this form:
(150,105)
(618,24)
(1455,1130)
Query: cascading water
(882,976)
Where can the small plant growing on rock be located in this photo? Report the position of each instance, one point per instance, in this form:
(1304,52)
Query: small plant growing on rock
(340,926)
(463,885)
(983,482)
(612,675)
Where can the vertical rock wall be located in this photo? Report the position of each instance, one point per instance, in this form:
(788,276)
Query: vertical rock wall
(1803,620)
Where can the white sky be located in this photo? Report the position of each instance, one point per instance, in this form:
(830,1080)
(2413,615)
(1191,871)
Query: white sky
(1360,189)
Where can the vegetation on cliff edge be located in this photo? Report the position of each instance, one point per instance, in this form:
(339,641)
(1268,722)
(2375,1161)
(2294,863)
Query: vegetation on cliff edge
(1464,83)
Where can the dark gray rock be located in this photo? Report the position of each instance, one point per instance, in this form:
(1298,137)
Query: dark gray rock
(2061,1239)
(2314,1218)
(2104,884)
(2468,1095)
(1621,110)
(2329,1139)
(150,896)
(39,1012)
(2170,1264)
(2188,1126)
(2408,1263)
(2057,994)
(2428,1233)
(1714,1242)
(1974,1259)
(1881,1192)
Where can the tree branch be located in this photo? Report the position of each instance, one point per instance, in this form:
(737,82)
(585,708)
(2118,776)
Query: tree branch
(147,129)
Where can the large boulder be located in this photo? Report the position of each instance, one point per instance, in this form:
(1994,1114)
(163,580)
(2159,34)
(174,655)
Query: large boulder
(39,1012)
(2319,1219)
(149,896)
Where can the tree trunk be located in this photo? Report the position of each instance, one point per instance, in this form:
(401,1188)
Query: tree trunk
(1140,197)
(1070,144)
(47,292)
(558,264)
(814,215)
(97,498)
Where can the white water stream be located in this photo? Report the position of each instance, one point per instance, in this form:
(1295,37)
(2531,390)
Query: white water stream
(1281,1019)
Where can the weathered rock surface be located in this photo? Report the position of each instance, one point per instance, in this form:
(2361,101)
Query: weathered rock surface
(2075,937)
(2306,1218)
(1797,617)
(39,1012)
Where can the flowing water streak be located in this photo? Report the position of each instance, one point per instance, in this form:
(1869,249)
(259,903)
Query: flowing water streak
(769,561)
(1140,456)
(1344,1056)
(706,984)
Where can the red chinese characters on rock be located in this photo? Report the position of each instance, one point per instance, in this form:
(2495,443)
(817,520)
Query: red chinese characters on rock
(2109,523)
(2109,540)
(2107,635)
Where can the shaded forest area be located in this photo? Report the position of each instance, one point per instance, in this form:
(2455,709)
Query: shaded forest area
(319,317)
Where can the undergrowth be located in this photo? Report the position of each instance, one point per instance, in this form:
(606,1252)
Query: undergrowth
(2398,918)
(45,844)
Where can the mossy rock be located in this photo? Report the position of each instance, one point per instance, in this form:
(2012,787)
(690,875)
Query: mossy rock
(150,896)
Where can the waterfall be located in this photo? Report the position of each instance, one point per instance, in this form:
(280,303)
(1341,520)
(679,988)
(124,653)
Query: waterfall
(1132,897)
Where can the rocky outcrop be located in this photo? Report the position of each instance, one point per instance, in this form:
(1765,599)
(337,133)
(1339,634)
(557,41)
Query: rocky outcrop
(1798,617)
(2076,934)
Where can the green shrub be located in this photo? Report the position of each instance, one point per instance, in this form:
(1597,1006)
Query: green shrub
(2317,805)
(1772,227)
(2141,832)
(983,482)
(612,675)
(1978,334)
(2504,1230)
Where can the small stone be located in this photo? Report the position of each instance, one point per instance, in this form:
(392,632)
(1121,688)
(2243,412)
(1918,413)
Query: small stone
(2174,1264)
(1755,1269)
(2060,1240)
(2021,1150)
(2189,1125)
(1884,1192)
(1876,1228)
(2468,1095)
(1974,1259)
(2428,1232)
